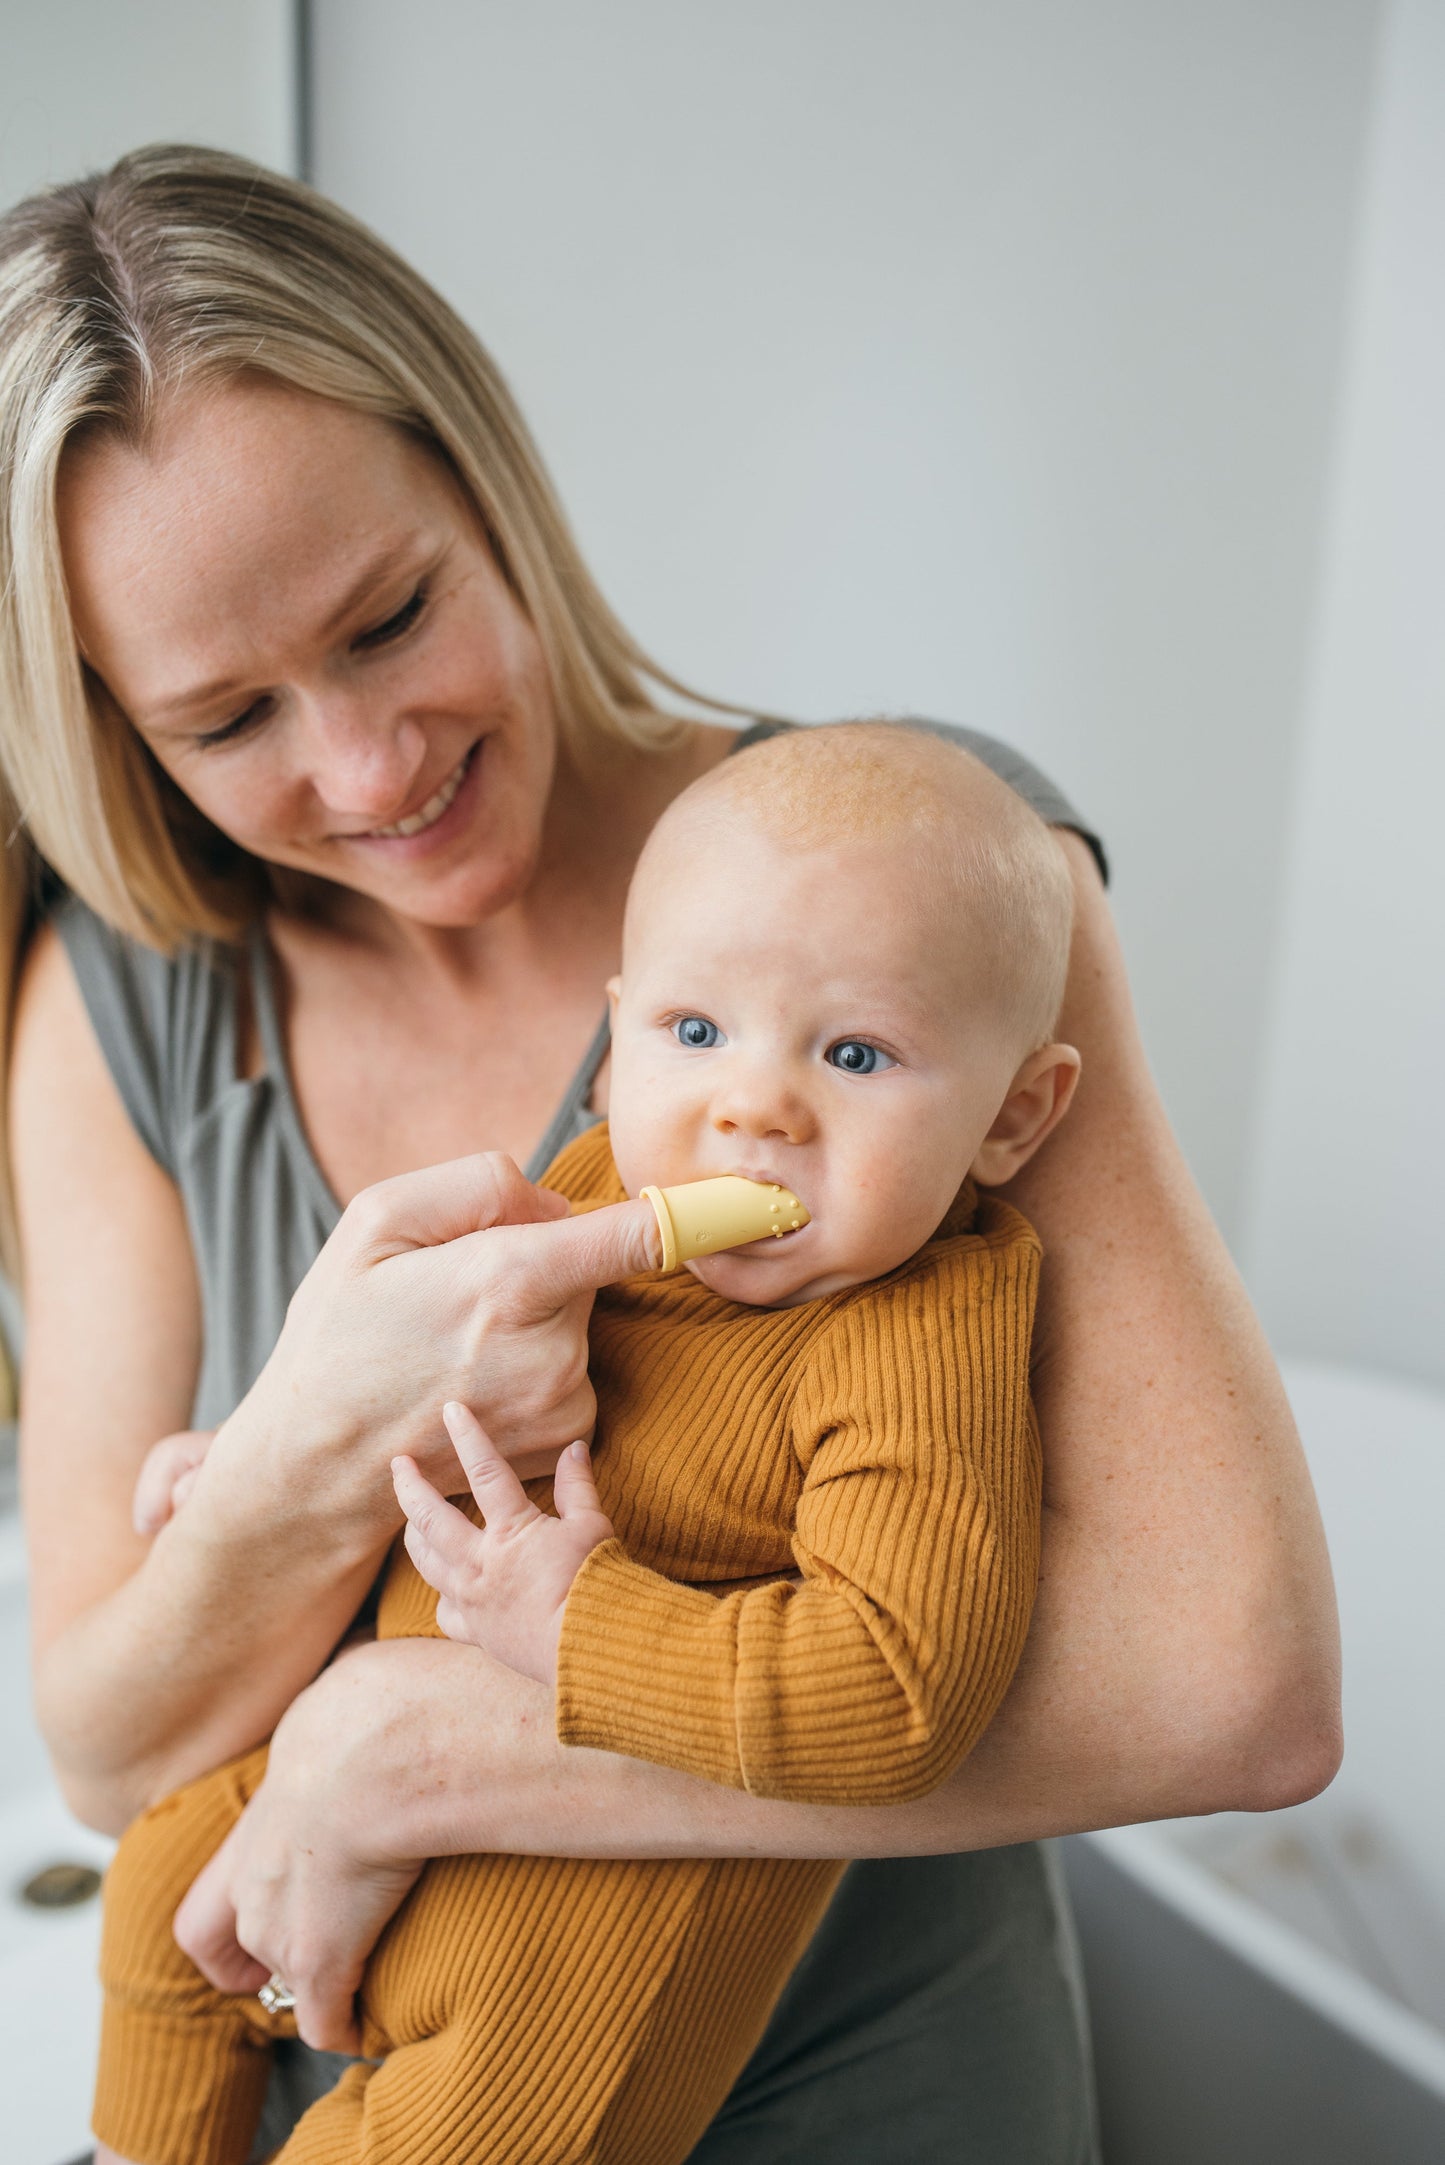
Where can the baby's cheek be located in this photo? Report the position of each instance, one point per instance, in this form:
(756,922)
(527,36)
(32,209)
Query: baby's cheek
(651,1149)
(886,1224)
(629,1151)
(639,1126)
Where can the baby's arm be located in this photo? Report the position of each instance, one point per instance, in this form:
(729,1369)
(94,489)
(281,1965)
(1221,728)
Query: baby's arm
(917,1537)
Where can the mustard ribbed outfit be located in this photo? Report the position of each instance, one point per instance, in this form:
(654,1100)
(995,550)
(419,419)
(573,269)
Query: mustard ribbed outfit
(827,1540)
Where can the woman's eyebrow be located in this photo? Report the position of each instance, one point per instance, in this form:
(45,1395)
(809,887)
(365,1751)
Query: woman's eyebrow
(374,573)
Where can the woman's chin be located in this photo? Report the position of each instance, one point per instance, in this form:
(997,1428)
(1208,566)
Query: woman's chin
(475,883)
(453,905)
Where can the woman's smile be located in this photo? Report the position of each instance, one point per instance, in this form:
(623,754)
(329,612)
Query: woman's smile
(429,827)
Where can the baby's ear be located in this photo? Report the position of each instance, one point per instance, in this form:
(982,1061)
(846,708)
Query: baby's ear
(614,994)
(1039,1096)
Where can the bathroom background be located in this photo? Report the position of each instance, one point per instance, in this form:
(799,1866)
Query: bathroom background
(1077,373)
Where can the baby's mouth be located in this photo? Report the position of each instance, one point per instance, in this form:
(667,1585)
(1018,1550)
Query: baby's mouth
(787,1230)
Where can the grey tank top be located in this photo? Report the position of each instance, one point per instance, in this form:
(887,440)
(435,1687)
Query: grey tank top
(938,2012)
(257,1204)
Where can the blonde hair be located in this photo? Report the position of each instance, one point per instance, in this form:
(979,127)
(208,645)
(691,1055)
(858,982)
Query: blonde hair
(182,267)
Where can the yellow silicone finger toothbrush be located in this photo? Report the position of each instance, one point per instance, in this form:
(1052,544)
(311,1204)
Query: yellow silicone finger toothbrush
(702,1217)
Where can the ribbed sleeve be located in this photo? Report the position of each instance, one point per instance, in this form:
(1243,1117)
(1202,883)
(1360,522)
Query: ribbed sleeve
(916,1534)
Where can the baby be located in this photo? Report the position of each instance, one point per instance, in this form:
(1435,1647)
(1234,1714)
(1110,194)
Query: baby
(808,1561)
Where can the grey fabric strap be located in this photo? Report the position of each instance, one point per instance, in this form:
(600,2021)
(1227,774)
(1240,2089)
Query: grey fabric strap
(574,1113)
(129,994)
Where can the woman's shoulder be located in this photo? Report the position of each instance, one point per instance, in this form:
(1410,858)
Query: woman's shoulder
(166,1023)
(102,956)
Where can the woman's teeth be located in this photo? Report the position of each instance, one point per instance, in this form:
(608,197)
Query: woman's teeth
(434,807)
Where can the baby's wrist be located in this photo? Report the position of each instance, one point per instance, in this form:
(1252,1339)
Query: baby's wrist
(549,1646)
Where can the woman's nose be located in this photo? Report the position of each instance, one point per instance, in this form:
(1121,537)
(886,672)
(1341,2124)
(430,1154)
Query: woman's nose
(363,764)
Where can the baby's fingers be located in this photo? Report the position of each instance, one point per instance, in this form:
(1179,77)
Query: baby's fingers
(573,1488)
(167,1477)
(439,1540)
(505,1504)
(184,1486)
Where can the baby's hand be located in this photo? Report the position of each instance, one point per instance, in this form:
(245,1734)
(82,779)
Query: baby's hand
(167,1476)
(503,1587)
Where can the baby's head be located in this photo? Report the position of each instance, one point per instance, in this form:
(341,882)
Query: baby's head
(843,960)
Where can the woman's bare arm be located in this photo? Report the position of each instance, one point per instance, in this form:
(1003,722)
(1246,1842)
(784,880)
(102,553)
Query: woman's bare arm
(207,1632)
(1184,1655)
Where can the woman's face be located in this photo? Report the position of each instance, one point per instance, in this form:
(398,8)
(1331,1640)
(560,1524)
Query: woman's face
(294,605)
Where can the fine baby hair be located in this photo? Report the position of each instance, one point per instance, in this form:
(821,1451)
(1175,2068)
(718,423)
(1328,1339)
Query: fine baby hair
(977,860)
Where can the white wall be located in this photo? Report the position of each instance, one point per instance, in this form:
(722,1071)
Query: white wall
(1346,1238)
(83,80)
(943,355)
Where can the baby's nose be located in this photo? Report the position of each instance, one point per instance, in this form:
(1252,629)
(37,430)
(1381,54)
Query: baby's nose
(759,1108)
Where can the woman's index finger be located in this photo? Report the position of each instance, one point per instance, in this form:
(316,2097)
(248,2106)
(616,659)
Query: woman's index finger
(552,1264)
(436,1204)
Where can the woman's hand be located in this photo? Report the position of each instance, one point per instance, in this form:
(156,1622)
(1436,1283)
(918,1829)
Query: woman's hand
(300,1888)
(407,1749)
(316,1913)
(463,1281)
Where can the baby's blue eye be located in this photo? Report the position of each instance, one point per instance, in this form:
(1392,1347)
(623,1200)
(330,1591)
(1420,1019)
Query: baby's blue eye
(696,1032)
(855,1057)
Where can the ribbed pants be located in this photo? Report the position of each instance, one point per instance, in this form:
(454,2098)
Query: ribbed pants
(524,2010)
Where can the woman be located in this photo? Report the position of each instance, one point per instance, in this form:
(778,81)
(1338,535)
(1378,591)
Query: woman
(299,659)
